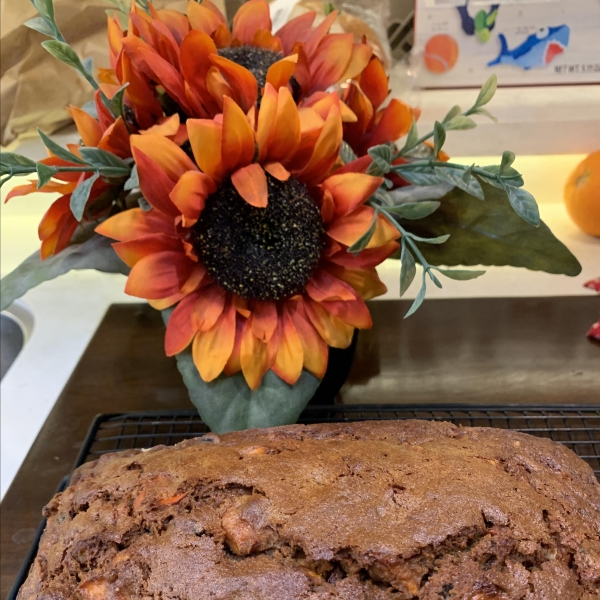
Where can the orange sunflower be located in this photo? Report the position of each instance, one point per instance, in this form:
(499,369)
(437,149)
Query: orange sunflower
(58,224)
(189,63)
(251,240)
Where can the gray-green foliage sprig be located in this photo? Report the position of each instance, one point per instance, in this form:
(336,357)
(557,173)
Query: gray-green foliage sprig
(433,179)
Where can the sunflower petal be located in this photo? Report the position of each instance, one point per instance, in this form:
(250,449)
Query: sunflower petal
(190,193)
(266,119)
(134,223)
(243,84)
(286,134)
(177,23)
(353,312)
(394,123)
(234,364)
(366,259)
(331,61)
(326,149)
(251,184)
(290,354)
(237,144)
(334,332)
(89,129)
(250,17)
(158,276)
(210,304)
(365,282)
(133,251)
(324,286)
(277,170)
(361,54)
(256,356)
(211,349)
(165,153)
(314,349)
(350,190)
(180,328)
(155,184)
(350,228)
(194,280)
(295,30)
(167,127)
(264,320)
(263,38)
(222,36)
(375,82)
(206,139)
(201,18)
(280,73)
(53,216)
(315,36)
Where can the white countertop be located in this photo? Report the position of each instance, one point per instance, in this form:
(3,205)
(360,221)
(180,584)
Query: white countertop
(67,311)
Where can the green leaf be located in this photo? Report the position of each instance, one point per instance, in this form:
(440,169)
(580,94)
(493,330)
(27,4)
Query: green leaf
(433,278)
(81,195)
(487,92)
(363,241)
(491,233)
(10,159)
(421,176)
(95,253)
(439,137)
(460,274)
(515,180)
(59,151)
(45,174)
(228,404)
(417,193)
(408,269)
(414,210)
(455,177)
(133,181)
(508,158)
(440,239)
(117,102)
(460,122)
(382,157)
(64,53)
(109,162)
(486,113)
(419,299)
(41,25)
(45,8)
(88,64)
(346,153)
(453,112)
(144,204)
(412,138)
(328,8)
(524,204)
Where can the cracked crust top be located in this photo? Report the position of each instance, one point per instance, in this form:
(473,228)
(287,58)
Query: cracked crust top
(373,510)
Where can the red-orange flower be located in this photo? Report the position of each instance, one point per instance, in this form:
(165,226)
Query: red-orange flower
(58,224)
(190,63)
(251,240)
(374,125)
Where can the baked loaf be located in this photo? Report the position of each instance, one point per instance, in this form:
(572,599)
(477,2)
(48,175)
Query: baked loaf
(371,510)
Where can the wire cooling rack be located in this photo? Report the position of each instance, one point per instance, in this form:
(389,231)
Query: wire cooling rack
(578,427)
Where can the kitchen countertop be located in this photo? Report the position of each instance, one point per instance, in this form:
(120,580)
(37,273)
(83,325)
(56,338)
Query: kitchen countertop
(481,350)
(67,311)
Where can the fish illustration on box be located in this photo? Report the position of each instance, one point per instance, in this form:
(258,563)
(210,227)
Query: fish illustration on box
(537,50)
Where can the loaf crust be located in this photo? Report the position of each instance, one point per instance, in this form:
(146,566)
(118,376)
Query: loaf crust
(372,510)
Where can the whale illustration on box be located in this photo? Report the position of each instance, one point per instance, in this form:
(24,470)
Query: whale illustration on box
(537,50)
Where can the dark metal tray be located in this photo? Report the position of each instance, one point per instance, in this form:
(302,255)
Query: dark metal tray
(577,427)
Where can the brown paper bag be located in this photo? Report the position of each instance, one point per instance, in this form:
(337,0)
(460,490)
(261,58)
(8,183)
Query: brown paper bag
(35,87)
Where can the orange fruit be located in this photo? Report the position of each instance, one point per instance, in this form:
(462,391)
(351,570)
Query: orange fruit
(441,53)
(582,194)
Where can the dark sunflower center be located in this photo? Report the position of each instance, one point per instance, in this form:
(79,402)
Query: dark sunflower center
(260,253)
(256,60)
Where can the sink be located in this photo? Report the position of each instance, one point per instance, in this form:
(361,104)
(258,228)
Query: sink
(16,325)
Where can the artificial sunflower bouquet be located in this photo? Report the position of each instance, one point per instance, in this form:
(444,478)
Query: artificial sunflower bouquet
(249,182)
